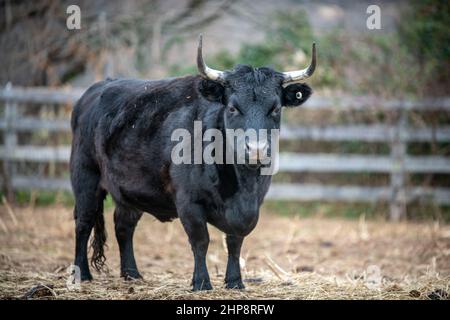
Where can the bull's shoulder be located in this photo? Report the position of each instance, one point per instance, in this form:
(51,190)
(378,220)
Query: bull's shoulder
(86,101)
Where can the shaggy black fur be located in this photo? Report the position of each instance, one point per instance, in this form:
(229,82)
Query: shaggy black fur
(121,146)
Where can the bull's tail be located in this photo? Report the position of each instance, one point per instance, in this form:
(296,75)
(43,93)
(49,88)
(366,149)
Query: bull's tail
(98,260)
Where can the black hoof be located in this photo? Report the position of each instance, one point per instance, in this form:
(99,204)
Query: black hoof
(130,275)
(234,284)
(202,286)
(86,277)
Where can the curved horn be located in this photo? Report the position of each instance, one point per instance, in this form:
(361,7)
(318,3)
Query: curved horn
(203,69)
(299,75)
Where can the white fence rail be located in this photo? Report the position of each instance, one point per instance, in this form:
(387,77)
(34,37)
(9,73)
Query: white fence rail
(398,163)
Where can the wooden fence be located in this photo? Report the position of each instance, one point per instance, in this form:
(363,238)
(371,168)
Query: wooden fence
(397,164)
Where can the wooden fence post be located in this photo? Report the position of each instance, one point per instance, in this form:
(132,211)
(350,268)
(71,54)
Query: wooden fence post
(398,199)
(10,138)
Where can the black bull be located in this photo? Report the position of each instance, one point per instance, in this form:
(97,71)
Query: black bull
(122,146)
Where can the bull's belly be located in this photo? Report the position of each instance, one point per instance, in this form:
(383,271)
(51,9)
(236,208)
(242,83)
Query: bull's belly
(160,206)
(162,214)
(150,200)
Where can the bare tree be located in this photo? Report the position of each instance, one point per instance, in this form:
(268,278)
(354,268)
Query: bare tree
(38,49)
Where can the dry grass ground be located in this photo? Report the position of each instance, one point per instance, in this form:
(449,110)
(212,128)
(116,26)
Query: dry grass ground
(285,258)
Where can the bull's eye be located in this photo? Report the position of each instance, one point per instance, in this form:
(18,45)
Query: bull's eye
(233,109)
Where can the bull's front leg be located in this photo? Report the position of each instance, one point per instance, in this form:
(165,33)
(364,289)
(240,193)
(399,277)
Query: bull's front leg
(194,224)
(233,279)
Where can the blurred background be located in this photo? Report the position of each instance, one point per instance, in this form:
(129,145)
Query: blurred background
(373,141)
(372,145)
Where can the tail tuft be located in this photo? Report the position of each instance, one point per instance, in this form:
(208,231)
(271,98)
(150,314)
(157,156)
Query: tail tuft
(98,260)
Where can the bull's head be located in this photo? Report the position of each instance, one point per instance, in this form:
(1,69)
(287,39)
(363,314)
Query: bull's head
(253,98)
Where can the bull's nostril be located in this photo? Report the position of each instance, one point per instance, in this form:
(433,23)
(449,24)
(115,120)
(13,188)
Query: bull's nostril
(256,147)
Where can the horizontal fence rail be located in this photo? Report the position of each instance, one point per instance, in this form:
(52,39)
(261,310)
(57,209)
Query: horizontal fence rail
(318,192)
(397,164)
(367,133)
(295,162)
(41,95)
(289,162)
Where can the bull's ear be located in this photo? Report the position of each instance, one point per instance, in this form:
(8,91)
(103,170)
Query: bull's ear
(296,94)
(211,90)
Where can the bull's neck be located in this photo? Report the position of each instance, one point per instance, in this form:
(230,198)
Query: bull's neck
(234,178)
(237,180)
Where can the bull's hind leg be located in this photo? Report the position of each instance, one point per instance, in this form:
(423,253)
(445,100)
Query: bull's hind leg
(125,221)
(88,213)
